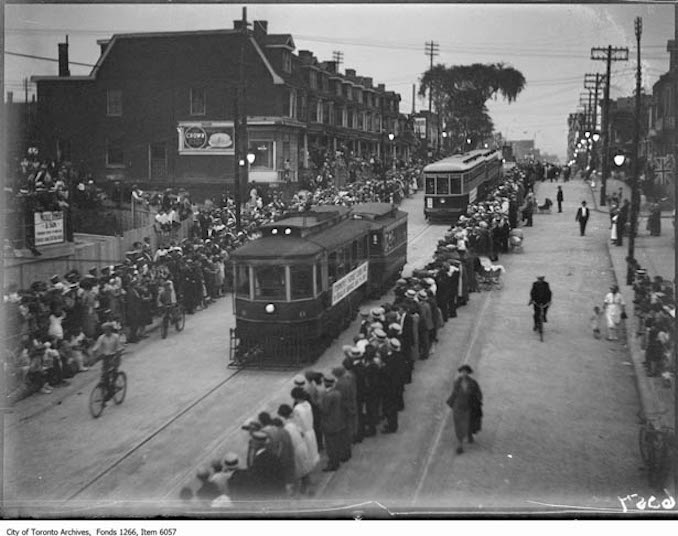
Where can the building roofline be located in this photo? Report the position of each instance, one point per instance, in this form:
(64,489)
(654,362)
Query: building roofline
(41,78)
(277,79)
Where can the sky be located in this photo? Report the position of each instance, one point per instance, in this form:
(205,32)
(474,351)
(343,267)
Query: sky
(550,44)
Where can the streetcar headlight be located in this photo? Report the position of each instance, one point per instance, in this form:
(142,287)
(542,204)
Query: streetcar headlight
(270,308)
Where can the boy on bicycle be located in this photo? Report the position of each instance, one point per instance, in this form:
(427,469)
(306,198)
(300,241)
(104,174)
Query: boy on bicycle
(110,346)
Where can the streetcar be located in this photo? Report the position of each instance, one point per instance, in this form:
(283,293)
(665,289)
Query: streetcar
(454,182)
(299,285)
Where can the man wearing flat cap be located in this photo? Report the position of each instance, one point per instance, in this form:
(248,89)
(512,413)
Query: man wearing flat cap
(466,402)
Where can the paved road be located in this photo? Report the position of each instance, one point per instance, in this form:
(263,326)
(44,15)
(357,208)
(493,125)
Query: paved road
(560,425)
(183,408)
(560,416)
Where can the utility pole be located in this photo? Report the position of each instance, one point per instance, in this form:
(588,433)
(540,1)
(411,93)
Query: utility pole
(607,54)
(593,81)
(635,201)
(338,58)
(240,126)
(432,50)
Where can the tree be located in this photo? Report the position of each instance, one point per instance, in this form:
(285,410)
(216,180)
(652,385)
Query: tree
(460,94)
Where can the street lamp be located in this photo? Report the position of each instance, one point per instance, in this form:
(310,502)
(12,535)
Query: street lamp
(251,157)
(619,159)
(391,137)
(596,137)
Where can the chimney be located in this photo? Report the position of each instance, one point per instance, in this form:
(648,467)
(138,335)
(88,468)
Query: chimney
(241,24)
(368,81)
(103,44)
(260,28)
(306,57)
(381,87)
(63,59)
(350,73)
(331,66)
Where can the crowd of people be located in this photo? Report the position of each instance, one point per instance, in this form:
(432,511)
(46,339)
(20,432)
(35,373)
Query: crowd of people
(61,318)
(334,410)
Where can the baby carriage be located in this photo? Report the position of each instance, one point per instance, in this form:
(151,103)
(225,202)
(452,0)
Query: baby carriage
(489,275)
(516,240)
(546,207)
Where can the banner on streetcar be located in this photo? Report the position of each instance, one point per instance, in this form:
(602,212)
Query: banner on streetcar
(349,283)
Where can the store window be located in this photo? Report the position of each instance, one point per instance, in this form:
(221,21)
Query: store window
(264,157)
(114,102)
(197,98)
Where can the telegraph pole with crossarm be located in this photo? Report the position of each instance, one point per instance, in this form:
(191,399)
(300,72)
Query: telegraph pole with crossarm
(607,54)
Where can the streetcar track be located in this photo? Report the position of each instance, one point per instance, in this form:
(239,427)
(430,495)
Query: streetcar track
(132,450)
(153,434)
(445,419)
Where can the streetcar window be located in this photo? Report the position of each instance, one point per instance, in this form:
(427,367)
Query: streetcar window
(301,280)
(269,282)
(332,267)
(443,186)
(242,281)
(455,185)
(354,255)
(318,279)
(430,185)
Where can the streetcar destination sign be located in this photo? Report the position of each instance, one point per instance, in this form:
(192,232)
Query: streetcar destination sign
(349,283)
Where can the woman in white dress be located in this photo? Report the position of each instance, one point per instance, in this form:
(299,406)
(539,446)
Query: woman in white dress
(303,462)
(614,309)
(302,415)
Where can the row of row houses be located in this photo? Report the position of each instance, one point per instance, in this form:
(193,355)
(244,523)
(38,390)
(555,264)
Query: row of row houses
(160,108)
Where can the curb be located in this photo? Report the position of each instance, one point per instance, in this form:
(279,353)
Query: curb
(649,400)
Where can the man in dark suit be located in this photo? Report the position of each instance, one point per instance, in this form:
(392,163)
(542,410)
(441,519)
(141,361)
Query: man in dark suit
(560,198)
(621,222)
(582,217)
(333,422)
(266,474)
(540,295)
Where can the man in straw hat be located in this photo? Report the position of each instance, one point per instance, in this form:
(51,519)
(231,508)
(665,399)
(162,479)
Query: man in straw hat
(109,346)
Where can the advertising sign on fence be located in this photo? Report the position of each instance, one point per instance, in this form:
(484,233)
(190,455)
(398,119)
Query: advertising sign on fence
(349,283)
(48,228)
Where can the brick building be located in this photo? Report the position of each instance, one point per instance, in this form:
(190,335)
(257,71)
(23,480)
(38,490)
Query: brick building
(159,108)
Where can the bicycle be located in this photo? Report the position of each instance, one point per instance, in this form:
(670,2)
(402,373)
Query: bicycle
(539,320)
(112,385)
(655,445)
(174,314)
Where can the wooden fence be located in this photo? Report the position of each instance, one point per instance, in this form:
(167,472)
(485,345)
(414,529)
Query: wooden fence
(88,251)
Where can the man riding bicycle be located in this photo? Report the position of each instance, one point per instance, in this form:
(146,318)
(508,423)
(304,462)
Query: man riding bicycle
(110,346)
(540,299)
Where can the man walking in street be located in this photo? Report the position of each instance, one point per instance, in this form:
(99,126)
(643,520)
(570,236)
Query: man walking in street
(559,198)
(582,217)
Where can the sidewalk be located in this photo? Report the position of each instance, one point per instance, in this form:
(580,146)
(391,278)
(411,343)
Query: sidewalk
(657,255)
